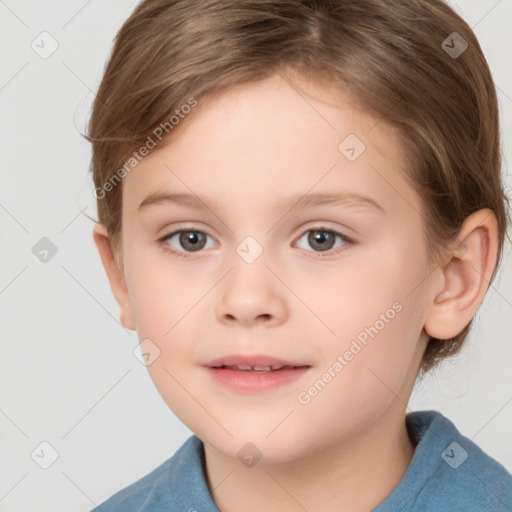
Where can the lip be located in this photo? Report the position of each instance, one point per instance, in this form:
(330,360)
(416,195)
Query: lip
(256,382)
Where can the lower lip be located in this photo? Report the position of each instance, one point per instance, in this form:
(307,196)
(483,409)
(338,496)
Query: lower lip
(256,381)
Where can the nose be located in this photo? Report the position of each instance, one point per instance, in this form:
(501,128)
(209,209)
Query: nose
(251,295)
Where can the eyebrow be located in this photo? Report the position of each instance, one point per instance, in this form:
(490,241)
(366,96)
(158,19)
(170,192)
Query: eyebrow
(286,203)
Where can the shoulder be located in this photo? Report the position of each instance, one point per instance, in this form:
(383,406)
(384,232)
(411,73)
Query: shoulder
(171,486)
(449,472)
(466,477)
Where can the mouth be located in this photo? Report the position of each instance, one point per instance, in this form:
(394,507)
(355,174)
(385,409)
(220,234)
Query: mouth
(255,362)
(256,369)
(255,373)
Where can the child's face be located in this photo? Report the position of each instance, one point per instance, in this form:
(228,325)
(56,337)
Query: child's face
(250,150)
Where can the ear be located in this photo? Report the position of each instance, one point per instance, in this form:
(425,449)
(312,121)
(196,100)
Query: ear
(464,278)
(114,274)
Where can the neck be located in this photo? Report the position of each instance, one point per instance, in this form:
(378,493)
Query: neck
(354,474)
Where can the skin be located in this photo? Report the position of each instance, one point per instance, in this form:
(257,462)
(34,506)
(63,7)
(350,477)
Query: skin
(246,150)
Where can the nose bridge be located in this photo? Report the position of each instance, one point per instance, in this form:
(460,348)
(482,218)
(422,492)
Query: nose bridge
(250,292)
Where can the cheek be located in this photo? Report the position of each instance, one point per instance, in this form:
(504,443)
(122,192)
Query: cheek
(376,324)
(166,308)
(161,293)
(361,375)
(166,311)
(344,300)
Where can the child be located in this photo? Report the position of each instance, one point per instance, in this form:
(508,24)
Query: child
(260,131)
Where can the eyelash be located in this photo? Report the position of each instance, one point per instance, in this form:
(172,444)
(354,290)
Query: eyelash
(184,254)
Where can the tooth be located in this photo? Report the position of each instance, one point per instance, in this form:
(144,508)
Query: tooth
(261,368)
(267,368)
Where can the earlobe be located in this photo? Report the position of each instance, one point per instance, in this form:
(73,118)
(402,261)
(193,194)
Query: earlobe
(464,277)
(114,274)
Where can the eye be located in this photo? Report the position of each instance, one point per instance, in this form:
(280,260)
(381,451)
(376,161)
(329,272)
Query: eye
(189,240)
(324,239)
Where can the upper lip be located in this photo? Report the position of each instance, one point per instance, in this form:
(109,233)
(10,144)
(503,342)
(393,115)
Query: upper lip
(251,360)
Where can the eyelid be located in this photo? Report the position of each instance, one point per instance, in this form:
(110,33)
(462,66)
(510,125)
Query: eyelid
(167,232)
(328,226)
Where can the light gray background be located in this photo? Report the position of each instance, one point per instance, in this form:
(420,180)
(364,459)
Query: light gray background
(68,373)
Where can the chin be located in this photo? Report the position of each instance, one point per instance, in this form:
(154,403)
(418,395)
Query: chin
(254,448)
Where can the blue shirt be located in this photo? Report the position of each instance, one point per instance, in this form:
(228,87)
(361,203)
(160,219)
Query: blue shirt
(448,473)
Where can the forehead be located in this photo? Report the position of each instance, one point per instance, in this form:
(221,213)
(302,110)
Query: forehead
(261,138)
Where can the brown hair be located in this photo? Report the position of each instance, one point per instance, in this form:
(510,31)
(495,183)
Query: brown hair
(388,53)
